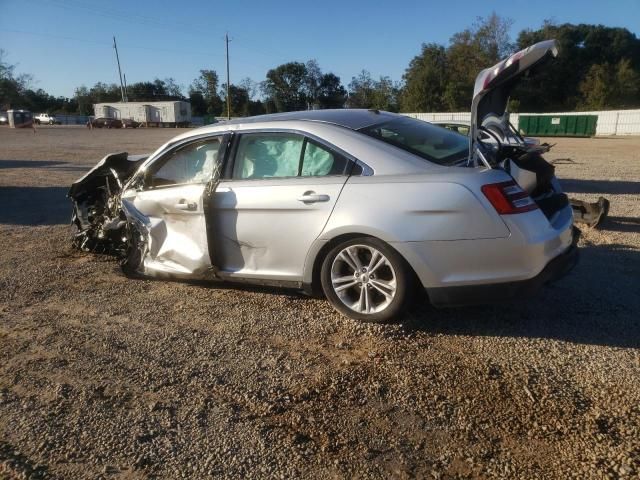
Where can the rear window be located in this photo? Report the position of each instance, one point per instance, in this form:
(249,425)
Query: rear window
(433,143)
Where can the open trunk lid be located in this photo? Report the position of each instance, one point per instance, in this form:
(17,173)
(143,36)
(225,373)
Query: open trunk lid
(494,85)
(509,151)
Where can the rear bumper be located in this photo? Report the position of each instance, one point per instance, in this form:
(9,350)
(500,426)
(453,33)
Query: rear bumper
(500,292)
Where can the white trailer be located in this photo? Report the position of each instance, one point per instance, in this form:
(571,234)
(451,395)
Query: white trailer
(159,114)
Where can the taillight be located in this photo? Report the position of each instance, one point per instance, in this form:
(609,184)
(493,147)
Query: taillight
(508,198)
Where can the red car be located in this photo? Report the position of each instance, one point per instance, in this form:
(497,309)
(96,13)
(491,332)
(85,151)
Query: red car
(105,122)
(128,123)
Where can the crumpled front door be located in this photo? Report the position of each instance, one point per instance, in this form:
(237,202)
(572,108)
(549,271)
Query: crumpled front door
(166,215)
(176,232)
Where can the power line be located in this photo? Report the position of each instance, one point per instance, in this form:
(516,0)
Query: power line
(106,44)
(126,16)
(156,22)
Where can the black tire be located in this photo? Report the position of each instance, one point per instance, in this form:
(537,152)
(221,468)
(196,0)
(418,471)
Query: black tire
(395,269)
(132,263)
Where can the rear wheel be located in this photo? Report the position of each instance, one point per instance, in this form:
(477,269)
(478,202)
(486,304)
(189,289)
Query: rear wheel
(365,279)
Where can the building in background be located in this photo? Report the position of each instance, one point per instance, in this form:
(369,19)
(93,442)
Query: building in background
(173,113)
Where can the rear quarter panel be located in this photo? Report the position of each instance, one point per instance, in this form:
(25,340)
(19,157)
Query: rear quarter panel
(412,208)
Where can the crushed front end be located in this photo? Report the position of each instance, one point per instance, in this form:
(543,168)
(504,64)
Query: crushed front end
(97,209)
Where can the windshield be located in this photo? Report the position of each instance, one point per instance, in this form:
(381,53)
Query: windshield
(428,141)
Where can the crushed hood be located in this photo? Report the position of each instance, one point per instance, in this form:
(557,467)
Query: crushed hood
(118,165)
(494,85)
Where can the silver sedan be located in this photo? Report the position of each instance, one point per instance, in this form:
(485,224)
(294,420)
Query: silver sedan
(366,207)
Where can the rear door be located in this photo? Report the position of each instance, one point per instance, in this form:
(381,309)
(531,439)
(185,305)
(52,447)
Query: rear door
(279,194)
(172,206)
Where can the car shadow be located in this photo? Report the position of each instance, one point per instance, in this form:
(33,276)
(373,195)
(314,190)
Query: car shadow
(595,304)
(620,224)
(59,164)
(615,187)
(34,206)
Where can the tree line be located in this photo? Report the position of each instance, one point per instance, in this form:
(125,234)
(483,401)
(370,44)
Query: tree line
(598,68)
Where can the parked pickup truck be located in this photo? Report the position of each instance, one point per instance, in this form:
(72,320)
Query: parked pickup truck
(46,119)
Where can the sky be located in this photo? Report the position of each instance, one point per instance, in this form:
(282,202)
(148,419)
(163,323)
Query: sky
(68,43)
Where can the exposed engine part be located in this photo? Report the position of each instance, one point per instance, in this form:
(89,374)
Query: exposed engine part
(97,211)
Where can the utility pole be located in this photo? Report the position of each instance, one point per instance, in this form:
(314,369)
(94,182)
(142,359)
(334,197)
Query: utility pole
(126,94)
(226,41)
(124,98)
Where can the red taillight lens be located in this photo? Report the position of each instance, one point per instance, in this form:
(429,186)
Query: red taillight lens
(508,198)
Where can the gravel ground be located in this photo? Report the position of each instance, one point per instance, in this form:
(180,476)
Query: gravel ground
(107,377)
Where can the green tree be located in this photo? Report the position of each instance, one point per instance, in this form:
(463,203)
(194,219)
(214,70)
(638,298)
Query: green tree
(172,89)
(286,86)
(299,86)
(250,86)
(565,83)
(102,92)
(242,104)
(207,85)
(443,79)
(12,86)
(491,35)
(605,87)
(144,91)
(596,88)
(330,93)
(626,85)
(366,92)
(425,80)
(198,104)
(83,99)
(361,91)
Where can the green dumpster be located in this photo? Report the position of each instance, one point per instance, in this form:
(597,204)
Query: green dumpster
(209,119)
(558,125)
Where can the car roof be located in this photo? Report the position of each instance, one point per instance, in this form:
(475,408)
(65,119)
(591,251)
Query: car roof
(354,119)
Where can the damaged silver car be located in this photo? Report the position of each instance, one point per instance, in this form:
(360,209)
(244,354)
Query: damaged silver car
(366,207)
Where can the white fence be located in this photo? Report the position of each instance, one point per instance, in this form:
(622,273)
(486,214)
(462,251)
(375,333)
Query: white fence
(610,122)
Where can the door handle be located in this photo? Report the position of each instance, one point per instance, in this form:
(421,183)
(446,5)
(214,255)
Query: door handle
(184,205)
(313,197)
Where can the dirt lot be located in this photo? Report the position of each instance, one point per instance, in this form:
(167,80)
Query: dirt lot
(106,377)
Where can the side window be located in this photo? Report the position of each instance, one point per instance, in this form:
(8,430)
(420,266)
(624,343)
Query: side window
(268,155)
(192,163)
(277,155)
(318,161)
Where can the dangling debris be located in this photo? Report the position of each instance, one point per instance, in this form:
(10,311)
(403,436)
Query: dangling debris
(589,213)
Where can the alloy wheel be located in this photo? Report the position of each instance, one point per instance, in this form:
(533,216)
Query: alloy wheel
(363,279)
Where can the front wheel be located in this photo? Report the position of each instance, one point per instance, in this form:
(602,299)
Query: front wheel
(365,279)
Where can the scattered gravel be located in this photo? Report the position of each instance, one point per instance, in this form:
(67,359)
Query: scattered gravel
(107,377)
